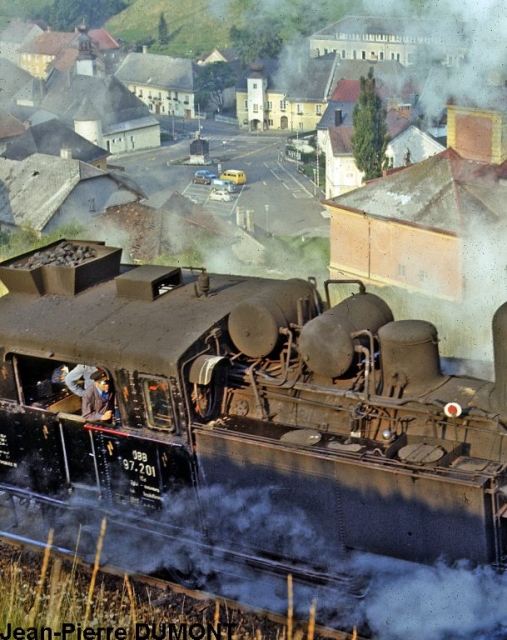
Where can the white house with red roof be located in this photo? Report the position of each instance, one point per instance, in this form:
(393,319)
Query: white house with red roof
(408,144)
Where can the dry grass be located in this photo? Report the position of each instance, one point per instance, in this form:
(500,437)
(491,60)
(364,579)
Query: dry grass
(47,592)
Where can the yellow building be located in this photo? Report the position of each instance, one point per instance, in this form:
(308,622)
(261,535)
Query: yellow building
(268,97)
(38,54)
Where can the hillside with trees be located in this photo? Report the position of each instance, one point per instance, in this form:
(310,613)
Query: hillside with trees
(195,27)
(188,29)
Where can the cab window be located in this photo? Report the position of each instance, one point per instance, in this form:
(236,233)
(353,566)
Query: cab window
(158,404)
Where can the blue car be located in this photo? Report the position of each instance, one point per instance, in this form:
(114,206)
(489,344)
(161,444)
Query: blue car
(204,173)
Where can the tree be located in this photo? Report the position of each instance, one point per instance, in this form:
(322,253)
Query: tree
(211,82)
(163,36)
(260,39)
(370,139)
(65,15)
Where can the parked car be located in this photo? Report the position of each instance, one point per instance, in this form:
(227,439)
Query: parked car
(220,194)
(205,173)
(218,183)
(201,180)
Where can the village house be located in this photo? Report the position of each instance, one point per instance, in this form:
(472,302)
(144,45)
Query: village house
(10,129)
(414,227)
(407,143)
(270,96)
(99,108)
(378,38)
(45,192)
(60,50)
(166,85)
(16,35)
(55,139)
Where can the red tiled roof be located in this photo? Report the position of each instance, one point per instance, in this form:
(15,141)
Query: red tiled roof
(396,123)
(10,126)
(103,40)
(49,43)
(346,91)
(65,60)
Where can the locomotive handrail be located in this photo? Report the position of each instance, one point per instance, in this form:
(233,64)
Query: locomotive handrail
(362,288)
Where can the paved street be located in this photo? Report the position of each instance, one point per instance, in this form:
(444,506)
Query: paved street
(283,201)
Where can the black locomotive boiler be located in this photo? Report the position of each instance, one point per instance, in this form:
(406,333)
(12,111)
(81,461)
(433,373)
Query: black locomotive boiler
(252,417)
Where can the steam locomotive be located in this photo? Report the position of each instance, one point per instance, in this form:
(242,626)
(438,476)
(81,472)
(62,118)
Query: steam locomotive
(254,420)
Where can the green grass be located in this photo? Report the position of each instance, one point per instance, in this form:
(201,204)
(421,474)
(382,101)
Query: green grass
(193,27)
(23,9)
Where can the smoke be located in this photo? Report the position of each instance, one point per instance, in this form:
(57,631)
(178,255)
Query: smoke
(434,602)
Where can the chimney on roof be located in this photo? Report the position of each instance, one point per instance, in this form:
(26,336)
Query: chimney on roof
(338,117)
(66,153)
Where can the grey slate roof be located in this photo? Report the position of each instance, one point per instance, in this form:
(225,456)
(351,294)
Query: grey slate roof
(31,191)
(310,81)
(328,117)
(381,25)
(110,98)
(17,31)
(444,192)
(49,138)
(12,78)
(161,72)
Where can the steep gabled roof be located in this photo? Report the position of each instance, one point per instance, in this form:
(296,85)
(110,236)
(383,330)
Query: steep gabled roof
(379,25)
(346,91)
(308,79)
(10,127)
(49,43)
(49,138)
(32,190)
(340,138)
(112,101)
(103,40)
(17,31)
(162,72)
(12,78)
(444,192)
(395,123)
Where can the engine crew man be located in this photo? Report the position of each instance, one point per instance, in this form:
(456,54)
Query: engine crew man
(97,401)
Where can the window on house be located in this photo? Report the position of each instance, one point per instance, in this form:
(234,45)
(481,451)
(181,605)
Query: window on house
(381,55)
(301,126)
(283,105)
(140,93)
(422,275)
(254,85)
(256,108)
(363,55)
(344,54)
(245,105)
(270,105)
(318,109)
(300,110)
